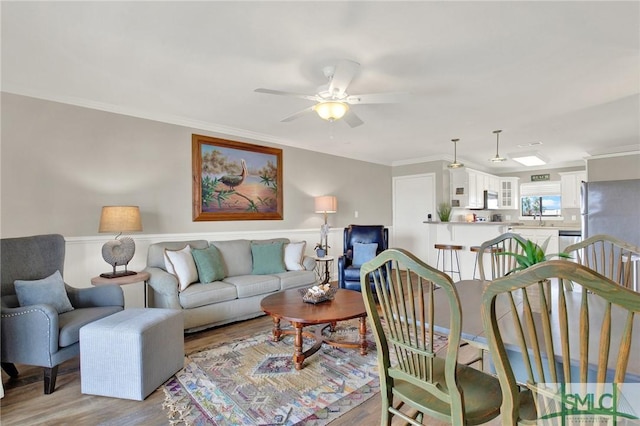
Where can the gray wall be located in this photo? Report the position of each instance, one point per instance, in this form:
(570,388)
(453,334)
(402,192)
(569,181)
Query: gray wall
(60,164)
(620,167)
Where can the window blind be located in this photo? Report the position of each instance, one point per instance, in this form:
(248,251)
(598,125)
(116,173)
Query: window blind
(540,188)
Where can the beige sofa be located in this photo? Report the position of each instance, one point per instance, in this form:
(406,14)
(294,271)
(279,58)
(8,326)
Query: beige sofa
(235,297)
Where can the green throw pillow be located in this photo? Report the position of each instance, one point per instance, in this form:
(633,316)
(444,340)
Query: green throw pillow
(209,264)
(268,258)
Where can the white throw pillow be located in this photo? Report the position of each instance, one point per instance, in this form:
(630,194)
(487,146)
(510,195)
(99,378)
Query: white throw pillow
(181,264)
(293,254)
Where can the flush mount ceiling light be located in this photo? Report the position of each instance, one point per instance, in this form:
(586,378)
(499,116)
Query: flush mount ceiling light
(455,164)
(529,158)
(331,110)
(497,158)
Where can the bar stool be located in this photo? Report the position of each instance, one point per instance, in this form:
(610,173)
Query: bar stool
(451,248)
(476,250)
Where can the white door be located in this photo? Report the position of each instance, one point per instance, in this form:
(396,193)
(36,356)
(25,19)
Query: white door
(414,197)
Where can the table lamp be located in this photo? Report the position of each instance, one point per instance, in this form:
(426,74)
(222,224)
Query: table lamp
(119,251)
(325,204)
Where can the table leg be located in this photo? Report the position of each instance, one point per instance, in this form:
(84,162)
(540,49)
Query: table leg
(327,276)
(277,331)
(363,335)
(298,356)
(145,293)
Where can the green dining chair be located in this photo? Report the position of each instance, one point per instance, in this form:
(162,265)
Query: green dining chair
(414,380)
(590,340)
(609,256)
(499,264)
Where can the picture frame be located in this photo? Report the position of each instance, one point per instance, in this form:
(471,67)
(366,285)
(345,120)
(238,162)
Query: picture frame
(235,180)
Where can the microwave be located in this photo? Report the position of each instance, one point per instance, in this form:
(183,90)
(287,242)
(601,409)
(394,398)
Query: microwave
(490,200)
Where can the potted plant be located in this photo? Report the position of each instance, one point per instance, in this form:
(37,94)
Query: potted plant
(532,254)
(444,211)
(321,251)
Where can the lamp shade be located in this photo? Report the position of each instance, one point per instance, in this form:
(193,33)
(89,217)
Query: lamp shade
(326,204)
(120,219)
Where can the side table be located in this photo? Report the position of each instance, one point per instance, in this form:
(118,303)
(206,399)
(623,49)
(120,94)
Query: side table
(323,268)
(127,279)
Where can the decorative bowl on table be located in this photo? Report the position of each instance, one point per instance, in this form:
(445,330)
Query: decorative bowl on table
(318,293)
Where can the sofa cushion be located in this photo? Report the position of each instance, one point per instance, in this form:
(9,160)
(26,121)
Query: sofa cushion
(181,264)
(209,264)
(294,279)
(293,255)
(363,252)
(49,290)
(236,255)
(268,258)
(200,294)
(71,322)
(252,285)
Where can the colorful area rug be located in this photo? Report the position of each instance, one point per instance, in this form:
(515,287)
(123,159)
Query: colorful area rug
(253,381)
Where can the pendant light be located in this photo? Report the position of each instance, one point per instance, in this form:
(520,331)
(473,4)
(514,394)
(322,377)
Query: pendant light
(455,164)
(497,158)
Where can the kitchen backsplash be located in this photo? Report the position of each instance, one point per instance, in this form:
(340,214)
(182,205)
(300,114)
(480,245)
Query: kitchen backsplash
(570,217)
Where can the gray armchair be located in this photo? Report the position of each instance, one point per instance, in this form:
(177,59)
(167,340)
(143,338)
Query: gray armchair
(37,334)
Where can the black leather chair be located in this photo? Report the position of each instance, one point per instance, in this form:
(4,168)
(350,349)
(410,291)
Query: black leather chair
(348,274)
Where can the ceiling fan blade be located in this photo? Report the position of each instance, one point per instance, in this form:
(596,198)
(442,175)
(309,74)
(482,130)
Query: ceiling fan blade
(297,114)
(352,119)
(378,98)
(291,94)
(342,76)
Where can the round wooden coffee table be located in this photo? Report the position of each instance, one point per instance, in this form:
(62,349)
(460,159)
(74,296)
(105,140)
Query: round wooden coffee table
(288,305)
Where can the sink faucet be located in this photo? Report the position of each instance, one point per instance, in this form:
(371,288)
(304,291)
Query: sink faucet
(540,215)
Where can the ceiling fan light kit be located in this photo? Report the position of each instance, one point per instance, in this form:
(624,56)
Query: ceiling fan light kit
(455,164)
(332,99)
(497,158)
(331,110)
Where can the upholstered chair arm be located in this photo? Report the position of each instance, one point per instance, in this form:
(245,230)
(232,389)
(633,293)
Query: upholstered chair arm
(165,288)
(29,334)
(309,263)
(343,262)
(104,295)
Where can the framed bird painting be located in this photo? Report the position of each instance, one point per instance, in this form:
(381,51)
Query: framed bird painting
(235,180)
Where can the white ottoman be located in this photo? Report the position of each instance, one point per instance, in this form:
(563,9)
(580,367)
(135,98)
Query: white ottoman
(131,353)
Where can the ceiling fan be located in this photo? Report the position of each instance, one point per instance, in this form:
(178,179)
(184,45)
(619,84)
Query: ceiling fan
(332,99)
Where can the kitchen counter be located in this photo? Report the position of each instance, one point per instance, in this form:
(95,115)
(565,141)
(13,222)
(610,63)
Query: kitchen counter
(474,223)
(465,234)
(554,226)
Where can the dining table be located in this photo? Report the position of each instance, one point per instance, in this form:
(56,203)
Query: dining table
(472,329)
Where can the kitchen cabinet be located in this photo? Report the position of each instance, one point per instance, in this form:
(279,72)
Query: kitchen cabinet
(539,235)
(508,193)
(468,186)
(570,186)
(494,183)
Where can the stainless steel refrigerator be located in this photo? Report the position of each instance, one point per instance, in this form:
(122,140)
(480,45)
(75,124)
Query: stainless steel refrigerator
(611,207)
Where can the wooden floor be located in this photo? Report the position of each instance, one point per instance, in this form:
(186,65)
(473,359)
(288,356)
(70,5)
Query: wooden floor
(25,404)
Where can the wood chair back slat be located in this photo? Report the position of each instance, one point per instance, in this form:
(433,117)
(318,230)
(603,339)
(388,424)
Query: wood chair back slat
(607,255)
(586,338)
(500,265)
